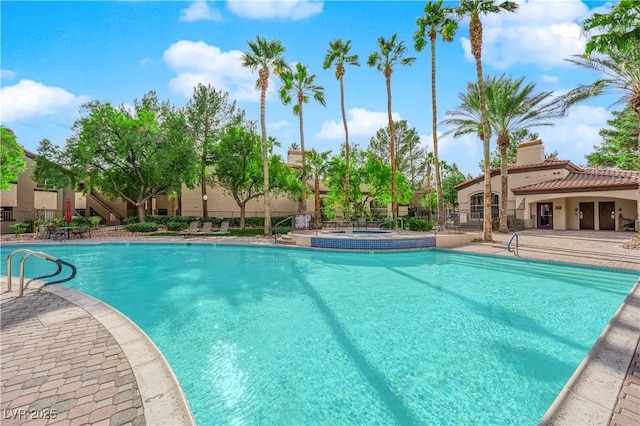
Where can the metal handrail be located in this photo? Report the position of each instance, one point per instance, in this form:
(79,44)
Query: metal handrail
(29,253)
(273,228)
(509,244)
(393,221)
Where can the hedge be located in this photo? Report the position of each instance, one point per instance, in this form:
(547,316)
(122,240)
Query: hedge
(142,227)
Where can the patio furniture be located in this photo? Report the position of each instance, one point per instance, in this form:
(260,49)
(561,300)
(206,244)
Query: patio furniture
(224,228)
(81,230)
(206,227)
(193,227)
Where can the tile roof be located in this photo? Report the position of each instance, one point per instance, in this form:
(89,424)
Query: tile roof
(585,180)
(513,168)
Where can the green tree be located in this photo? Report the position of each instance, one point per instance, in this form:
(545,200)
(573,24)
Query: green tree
(301,85)
(335,180)
(511,106)
(410,156)
(376,175)
(237,161)
(339,55)
(621,77)
(517,137)
(12,161)
(436,20)
(391,52)
(473,9)
(208,113)
(265,57)
(451,177)
(619,143)
(318,167)
(48,173)
(134,155)
(618,29)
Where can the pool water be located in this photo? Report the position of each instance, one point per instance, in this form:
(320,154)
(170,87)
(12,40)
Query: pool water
(261,335)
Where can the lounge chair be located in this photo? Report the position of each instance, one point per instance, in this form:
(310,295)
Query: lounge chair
(206,227)
(193,227)
(224,228)
(83,229)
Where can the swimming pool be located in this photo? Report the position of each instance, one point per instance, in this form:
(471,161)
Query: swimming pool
(283,336)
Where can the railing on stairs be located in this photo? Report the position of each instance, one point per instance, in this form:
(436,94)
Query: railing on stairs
(105,206)
(274,227)
(28,253)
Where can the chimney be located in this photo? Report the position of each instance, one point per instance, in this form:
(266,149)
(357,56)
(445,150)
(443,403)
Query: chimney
(531,152)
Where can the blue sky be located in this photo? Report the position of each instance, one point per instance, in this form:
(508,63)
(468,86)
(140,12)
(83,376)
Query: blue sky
(57,55)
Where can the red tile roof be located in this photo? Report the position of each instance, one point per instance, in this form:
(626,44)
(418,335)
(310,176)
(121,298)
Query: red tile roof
(548,164)
(585,180)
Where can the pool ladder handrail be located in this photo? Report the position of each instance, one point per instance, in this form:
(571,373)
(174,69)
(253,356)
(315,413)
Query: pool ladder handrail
(274,227)
(514,236)
(42,255)
(389,221)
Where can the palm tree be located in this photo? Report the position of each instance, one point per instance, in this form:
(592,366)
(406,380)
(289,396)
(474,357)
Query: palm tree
(301,85)
(436,20)
(473,9)
(318,166)
(264,56)
(511,106)
(620,70)
(391,52)
(338,54)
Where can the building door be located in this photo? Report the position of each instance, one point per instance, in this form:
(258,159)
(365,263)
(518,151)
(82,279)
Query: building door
(586,216)
(607,220)
(545,215)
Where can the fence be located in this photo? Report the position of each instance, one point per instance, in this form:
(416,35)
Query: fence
(468,221)
(8,218)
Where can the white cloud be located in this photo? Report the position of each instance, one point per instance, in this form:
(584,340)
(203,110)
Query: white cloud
(145,61)
(278,125)
(7,74)
(197,62)
(550,78)
(28,99)
(200,11)
(541,32)
(575,135)
(361,123)
(275,9)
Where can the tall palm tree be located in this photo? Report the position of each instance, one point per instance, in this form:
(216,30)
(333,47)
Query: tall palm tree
(338,54)
(620,70)
(264,56)
(391,52)
(473,9)
(302,85)
(436,20)
(318,166)
(511,106)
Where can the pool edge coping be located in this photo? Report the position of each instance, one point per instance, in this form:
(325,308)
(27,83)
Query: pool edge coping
(162,396)
(592,392)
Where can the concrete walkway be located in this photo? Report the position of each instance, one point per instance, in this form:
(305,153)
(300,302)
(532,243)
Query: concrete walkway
(69,359)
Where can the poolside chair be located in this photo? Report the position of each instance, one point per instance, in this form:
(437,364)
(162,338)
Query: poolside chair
(83,229)
(206,227)
(224,228)
(193,227)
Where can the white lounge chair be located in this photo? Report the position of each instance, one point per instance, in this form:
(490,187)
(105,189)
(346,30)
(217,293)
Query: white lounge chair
(206,227)
(224,228)
(193,227)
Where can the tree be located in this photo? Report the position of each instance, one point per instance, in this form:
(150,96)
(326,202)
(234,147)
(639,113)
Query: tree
(410,156)
(391,52)
(12,161)
(48,173)
(134,155)
(619,143)
(621,77)
(473,9)
(511,107)
(264,56)
(451,177)
(318,167)
(335,180)
(301,85)
(208,113)
(617,29)
(376,175)
(436,20)
(339,54)
(237,161)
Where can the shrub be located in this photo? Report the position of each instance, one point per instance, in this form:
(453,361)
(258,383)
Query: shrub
(129,220)
(95,221)
(142,227)
(80,220)
(417,224)
(282,230)
(21,228)
(176,226)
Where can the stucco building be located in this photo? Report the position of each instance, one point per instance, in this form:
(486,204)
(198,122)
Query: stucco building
(554,194)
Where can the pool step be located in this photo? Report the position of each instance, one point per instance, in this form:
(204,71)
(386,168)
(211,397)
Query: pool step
(287,239)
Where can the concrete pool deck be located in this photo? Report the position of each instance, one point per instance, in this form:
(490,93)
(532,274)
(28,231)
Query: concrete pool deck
(65,351)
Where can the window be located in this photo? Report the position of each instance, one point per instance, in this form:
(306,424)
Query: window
(477,206)
(7,214)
